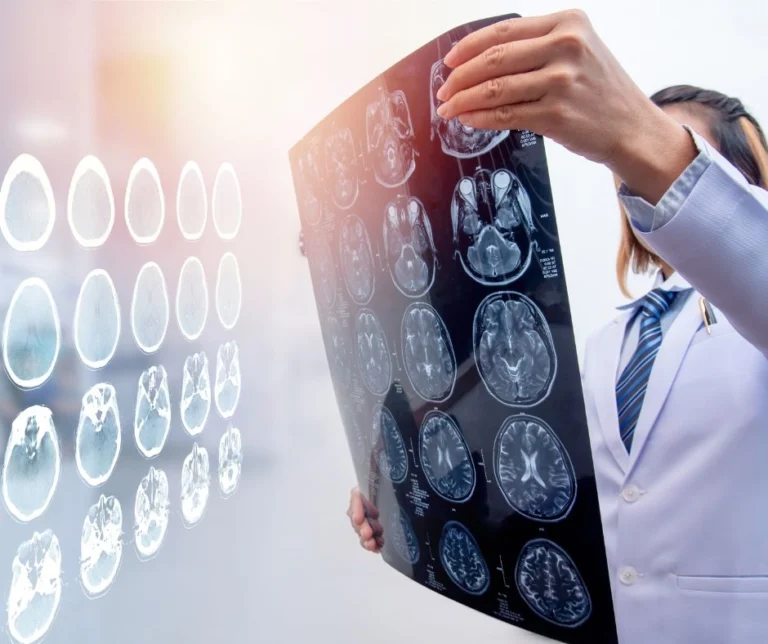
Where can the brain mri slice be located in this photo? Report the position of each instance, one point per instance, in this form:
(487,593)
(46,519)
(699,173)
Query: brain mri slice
(90,203)
(195,485)
(456,139)
(27,206)
(191,202)
(462,559)
(35,593)
(228,381)
(227,202)
(98,436)
(149,308)
(445,458)
(229,291)
(533,470)
(548,581)
(195,393)
(339,356)
(341,168)
(101,546)
(144,202)
(372,350)
(192,299)
(97,320)
(389,138)
(230,461)
(152,419)
(310,185)
(31,465)
(514,350)
(356,259)
(492,222)
(410,247)
(428,352)
(388,445)
(321,261)
(151,511)
(31,334)
(404,540)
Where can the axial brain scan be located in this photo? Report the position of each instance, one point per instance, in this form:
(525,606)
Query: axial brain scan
(462,559)
(339,357)
(27,206)
(152,419)
(428,352)
(149,308)
(227,202)
(321,260)
(90,204)
(195,485)
(372,352)
(151,511)
(101,546)
(341,168)
(191,202)
(97,320)
(144,202)
(310,170)
(229,291)
(192,299)
(388,446)
(411,251)
(356,259)
(195,393)
(98,436)
(400,531)
(389,138)
(31,465)
(514,351)
(228,381)
(533,469)
(31,334)
(550,584)
(445,457)
(35,593)
(230,461)
(492,224)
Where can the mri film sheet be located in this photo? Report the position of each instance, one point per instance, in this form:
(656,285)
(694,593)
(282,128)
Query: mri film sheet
(434,257)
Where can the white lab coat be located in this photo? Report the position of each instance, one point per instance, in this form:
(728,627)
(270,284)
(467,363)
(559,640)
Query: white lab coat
(685,516)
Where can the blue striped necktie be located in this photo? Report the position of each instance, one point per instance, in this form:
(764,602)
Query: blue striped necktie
(630,389)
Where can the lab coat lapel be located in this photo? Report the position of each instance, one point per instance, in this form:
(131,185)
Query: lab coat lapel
(673,348)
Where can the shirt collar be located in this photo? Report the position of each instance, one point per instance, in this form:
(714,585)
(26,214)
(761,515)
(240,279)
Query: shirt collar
(674,282)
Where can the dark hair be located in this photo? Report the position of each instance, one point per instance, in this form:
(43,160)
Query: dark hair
(737,136)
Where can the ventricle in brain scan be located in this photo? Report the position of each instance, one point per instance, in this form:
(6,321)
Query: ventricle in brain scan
(98,436)
(195,485)
(151,511)
(514,351)
(341,167)
(152,419)
(411,251)
(389,135)
(228,381)
(492,225)
(357,259)
(101,546)
(195,393)
(372,352)
(445,457)
(458,140)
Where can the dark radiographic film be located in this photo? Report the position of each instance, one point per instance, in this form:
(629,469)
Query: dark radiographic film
(440,289)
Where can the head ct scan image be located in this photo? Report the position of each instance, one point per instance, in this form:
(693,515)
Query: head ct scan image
(434,255)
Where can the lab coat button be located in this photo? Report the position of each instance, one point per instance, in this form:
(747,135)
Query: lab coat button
(628,575)
(630,493)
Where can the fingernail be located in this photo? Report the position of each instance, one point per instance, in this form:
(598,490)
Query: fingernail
(449,57)
(441,111)
(442,93)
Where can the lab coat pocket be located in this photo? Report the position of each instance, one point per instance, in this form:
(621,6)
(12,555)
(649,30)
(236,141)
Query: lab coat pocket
(700,583)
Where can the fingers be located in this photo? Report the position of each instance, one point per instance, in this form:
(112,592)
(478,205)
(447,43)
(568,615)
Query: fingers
(371,530)
(356,511)
(371,511)
(523,116)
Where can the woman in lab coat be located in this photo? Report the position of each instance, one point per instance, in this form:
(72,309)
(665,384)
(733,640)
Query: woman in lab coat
(676,387)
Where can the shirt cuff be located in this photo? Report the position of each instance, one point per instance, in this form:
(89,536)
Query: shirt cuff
(646,218)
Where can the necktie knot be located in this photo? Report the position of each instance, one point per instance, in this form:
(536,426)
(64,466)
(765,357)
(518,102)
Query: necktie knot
(657,303)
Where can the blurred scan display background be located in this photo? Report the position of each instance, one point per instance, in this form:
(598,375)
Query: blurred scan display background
(241,82)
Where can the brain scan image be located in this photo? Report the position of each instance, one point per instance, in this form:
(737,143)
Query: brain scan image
(410,247)
(35,593)
(97,320)
(357,439)
(191,202)
(192,299)
(229,291)
(533,470)
(462,559)
(227,202)
(339,355)
(341,168)
(27,206)
(144,202)
(31,465)
(230,461)
(445,458)
(458,140)
(228,382)
(151,511)
(31,334)
(195,485)
(389,138)
(372,350)
(91,203)
(321,260)
(310,182)
(149,308)
(403,537)
(152,419)
(514,351)
(388,445)
(548,581)
(428,352)
(492,224)
(98,436)
(195,393)
(101,546)
(357,259)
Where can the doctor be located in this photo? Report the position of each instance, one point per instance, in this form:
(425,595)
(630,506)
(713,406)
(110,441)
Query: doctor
(676,388)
